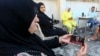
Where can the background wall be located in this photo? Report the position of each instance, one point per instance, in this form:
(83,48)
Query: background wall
(51,7)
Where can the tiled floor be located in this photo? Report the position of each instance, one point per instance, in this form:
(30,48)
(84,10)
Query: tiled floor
(71,49)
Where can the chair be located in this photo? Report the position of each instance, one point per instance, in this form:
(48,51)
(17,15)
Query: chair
(40,33)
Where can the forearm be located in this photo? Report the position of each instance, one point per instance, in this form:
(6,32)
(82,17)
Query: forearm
(53,43)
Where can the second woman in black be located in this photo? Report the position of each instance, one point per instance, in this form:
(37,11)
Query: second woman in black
(46,23)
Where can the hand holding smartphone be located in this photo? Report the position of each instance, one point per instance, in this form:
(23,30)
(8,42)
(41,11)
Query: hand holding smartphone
(77,40)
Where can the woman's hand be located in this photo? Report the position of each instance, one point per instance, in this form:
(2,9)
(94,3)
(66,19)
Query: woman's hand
(65,39)
(82,51)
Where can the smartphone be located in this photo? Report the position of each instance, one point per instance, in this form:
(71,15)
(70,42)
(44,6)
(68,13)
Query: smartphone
(77,40)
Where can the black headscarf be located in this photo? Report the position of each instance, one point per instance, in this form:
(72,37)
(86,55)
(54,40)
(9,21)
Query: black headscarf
(15,19)
(43,18)
(39,5)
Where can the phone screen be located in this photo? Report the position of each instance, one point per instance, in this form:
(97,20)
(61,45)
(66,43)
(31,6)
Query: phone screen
(77,40)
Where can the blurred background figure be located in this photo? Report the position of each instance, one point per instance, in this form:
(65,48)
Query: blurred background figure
(93,18)
(96,34)
(46,23)
(67,20)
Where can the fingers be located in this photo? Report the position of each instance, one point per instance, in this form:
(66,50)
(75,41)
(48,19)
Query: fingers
(68,35)
(84,48)
(85,45)
(66,41)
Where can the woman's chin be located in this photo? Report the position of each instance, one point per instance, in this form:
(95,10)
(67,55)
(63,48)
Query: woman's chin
(31,32)
(35,30)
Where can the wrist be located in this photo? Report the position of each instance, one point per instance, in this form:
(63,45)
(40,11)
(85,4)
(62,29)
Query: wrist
(60,40)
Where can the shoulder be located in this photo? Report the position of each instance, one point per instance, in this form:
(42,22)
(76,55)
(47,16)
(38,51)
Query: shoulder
(40,15)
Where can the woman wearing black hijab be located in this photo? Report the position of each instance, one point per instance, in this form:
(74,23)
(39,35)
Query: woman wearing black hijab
(17,26)
(46,23)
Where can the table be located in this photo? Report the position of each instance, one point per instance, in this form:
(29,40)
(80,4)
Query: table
(86,19)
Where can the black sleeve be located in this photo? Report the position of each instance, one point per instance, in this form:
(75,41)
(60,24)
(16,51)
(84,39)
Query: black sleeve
(45,21)
(53,43)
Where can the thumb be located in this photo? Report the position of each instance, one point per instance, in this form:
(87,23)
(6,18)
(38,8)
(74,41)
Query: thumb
(81,49)
(68,35)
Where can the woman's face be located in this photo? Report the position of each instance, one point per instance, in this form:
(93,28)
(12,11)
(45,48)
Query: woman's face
(42,8)
(33,26)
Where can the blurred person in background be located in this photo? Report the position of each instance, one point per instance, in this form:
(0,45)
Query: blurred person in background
(68,21)
(46,23)
(96,34)
(93,18)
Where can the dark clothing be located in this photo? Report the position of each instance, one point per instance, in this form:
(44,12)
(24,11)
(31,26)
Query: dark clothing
(45,21)
(10,49)
(15,19)
(91,21)
(47,26)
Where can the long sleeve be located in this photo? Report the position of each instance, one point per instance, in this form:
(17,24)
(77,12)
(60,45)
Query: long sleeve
(65,16)
(45,21)
(53,43)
